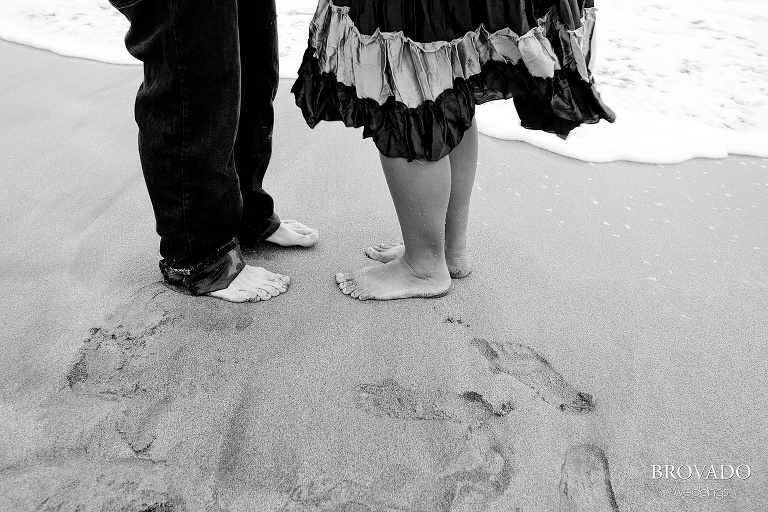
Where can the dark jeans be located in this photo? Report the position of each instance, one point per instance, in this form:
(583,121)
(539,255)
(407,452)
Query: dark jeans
(205,118)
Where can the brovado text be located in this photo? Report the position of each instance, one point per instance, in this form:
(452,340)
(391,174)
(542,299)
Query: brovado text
(700,472)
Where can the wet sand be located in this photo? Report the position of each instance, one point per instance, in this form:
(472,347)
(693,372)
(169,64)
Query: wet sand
(643,286)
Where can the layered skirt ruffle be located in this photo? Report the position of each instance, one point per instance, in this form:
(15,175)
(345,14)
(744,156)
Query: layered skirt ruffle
(417,98)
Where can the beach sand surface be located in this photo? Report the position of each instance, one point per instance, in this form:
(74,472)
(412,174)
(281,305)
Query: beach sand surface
(644,286)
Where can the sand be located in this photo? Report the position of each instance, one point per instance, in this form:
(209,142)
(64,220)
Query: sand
(643,286)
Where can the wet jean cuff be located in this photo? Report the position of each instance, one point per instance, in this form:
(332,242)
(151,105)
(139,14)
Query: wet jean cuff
(212,274)
(266,230)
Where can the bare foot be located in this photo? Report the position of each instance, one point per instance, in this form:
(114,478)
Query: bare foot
(291,233)
(585,482)
(385,252)
(253,284)
(524,364)
(393,280)
(459,262)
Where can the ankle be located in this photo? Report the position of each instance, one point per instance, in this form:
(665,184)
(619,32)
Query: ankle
(426,266)
(456,247)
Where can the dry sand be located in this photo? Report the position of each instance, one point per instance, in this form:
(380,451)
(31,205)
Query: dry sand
(644,286)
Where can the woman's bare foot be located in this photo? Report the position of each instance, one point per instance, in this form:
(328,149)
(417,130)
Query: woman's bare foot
(385,252)
(393,280)
(459,261)
(291,233)
(253,284)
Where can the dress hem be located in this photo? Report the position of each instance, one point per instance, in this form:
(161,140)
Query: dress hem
(433,129)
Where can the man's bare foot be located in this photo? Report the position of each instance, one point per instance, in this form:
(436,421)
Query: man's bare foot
(291,233)
(393,280)
(253,284)
(459,262)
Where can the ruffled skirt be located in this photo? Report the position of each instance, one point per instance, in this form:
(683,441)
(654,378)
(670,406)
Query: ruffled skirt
(410,72)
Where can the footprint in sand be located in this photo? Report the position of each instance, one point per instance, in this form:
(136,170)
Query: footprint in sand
(475,477)
(389,398)
(585,482)
(112,354)
(528,367)
(332,496)
(126,361)
(134,485)
(482,470)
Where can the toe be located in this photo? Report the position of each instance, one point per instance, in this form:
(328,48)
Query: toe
(277,278)
(309,239)
(280,286)
(340,278)
(252,293)
(271,290)
(263,281)
(236,295)
(304,230)
(240,296)
(263,294)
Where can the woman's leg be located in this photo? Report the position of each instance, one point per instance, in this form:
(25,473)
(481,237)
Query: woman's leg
(463,160)
(463,168)
(421,192)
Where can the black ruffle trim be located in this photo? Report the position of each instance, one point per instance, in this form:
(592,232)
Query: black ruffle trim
(431,130)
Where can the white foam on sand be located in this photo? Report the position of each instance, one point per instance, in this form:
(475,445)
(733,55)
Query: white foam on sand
(686,78)
(90,29)
(93,29)
(635,137)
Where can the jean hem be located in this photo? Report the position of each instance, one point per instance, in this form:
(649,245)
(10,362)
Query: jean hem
(270,226)
(214,273)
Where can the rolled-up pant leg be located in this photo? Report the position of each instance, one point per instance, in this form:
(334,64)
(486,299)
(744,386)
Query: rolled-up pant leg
(187,110)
